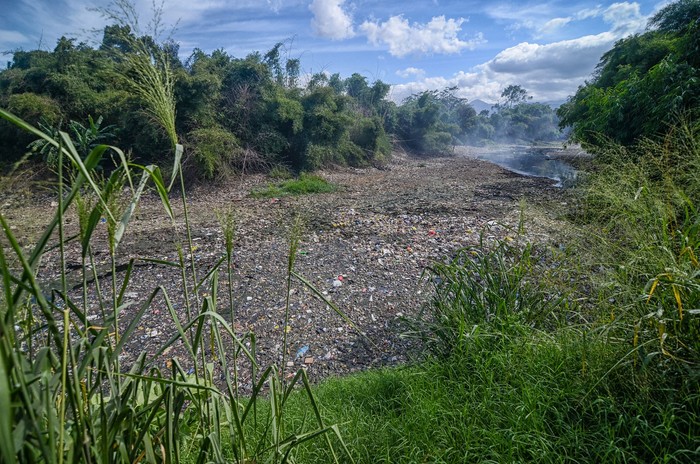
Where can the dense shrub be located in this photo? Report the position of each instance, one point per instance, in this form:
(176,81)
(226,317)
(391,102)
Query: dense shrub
(216,152)
(369,135)
(32,108)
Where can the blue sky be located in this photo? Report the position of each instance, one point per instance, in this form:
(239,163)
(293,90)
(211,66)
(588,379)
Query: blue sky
(548,47)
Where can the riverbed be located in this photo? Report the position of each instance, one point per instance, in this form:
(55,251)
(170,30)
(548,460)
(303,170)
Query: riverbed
(365,247)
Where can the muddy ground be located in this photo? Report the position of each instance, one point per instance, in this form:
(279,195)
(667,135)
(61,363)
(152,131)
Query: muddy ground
(365,247)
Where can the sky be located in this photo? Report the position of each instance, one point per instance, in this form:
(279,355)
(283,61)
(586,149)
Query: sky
(547,47)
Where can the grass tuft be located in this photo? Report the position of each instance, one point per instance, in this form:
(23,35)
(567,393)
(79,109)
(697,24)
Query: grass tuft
(305,184)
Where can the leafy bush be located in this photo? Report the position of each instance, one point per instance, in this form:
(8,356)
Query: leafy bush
(318,156)
(643,83)
(369,135)
(280,172)
(33,108)
(216,152)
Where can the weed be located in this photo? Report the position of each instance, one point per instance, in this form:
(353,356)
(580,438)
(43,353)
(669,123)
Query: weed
(304,184)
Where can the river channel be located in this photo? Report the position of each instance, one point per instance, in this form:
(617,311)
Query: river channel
(528,161)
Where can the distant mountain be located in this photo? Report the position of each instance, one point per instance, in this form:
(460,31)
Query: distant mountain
(480,105)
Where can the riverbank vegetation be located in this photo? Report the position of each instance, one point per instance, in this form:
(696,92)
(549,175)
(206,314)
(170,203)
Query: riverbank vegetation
(643,84)
(238,114)
(583,349)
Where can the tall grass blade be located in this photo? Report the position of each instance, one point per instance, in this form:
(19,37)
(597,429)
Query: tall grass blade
(177,163)
(6,442)
(126,217)
(136,320)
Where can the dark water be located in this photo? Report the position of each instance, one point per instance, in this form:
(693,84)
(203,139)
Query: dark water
(536,162)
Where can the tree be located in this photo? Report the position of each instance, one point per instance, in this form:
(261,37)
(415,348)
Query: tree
(643,83)
(676,16)
(513,95)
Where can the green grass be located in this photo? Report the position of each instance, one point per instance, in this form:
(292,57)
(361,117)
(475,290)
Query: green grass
(536,398)
(506,382)
(303,185)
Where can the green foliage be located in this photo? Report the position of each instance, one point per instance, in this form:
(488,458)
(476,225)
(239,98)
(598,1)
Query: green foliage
(490,285)
(303,185)
(33,108)
(514,95)
(369,135)
(280,172)
(85,139)
(425,123)
(645,205)
(643,83)
(533,397)
(216,153)
(333,121)
(433,122)
(676,16)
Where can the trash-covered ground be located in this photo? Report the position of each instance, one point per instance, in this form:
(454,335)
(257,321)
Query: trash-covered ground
(364,247)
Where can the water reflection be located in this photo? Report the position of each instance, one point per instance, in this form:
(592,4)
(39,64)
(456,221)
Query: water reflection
(528,161)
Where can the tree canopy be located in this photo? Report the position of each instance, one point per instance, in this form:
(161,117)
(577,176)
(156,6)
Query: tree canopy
(644,83)
(237,114)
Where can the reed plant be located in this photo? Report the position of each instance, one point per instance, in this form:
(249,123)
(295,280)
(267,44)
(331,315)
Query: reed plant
(490,284)
(65,394)
(641,207)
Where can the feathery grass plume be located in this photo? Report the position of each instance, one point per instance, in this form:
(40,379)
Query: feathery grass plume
(149,76)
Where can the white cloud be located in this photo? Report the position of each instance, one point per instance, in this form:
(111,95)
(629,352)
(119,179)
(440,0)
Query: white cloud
(12,37)
(470,85)
(566,58)
(554,24)
(331,20)
(439,35)
(549,72)
(625,18)
(410,71)
(588,13)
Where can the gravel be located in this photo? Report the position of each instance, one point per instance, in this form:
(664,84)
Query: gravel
(364,247)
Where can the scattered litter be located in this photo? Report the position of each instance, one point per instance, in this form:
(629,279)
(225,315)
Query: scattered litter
(309,360)
(302,351)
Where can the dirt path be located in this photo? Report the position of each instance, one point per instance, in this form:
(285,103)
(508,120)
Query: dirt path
(379,232)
